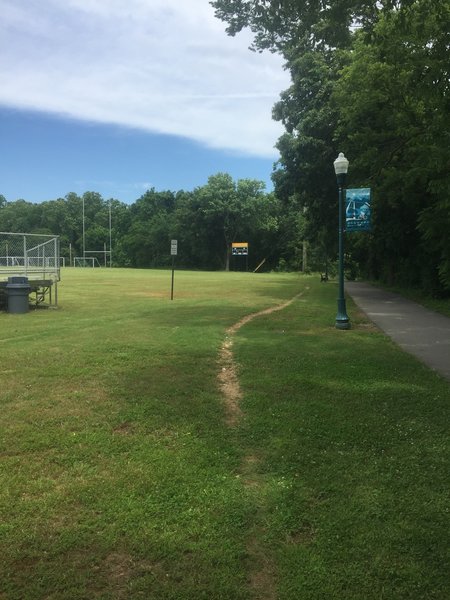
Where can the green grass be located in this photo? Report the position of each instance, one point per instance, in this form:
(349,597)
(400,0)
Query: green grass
(352,438)
(120,478)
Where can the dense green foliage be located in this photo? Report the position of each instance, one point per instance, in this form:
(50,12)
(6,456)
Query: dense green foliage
(370,79)
(205,222)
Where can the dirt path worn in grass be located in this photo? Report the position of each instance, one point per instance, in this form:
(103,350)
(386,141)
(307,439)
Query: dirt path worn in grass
(262,572)
(228,378)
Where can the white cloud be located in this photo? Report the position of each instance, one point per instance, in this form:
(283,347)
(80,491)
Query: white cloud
(162,65)
(110,186)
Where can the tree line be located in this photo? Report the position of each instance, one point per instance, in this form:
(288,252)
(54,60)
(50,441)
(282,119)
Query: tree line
(371,79)
(205,222)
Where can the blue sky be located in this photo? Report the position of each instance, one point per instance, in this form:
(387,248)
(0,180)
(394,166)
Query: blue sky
(118,97)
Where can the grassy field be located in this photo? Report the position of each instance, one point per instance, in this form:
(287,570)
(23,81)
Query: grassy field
(120,477)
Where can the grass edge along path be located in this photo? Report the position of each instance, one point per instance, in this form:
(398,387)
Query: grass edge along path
(349,439)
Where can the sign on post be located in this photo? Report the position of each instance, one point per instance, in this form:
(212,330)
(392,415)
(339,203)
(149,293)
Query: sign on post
(239,248)
(357,210)
(173,253)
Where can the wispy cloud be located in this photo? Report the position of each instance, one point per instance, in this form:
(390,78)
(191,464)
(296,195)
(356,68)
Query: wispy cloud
(111,186)
(162,65)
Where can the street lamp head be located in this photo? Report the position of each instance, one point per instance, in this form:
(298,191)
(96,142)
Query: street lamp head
(341,168)
(341,164)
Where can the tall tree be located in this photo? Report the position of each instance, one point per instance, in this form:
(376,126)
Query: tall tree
(20,216)
(304,175)
(229,208)
(146,241)
(369,78)
(394,100)
(286,25)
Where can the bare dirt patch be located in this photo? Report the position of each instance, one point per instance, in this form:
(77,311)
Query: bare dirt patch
(125,428)
(262,570)
(120,568)
(263,576)
(228,371)
(229,383)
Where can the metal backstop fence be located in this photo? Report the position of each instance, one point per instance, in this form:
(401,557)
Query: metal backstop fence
(32,255)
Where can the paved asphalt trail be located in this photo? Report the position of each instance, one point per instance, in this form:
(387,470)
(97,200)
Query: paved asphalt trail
(416,329)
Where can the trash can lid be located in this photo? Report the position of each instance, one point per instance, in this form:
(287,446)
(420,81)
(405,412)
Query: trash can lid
(18,279)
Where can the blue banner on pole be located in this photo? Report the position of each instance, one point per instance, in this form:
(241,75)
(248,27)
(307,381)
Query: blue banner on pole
(358,210)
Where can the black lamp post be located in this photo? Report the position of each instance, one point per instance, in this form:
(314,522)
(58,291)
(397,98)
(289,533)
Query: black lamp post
(341,168)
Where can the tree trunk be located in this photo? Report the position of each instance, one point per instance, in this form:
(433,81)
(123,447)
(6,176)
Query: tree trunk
(227,259)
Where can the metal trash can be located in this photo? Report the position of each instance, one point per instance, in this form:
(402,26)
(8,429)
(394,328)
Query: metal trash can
(17,290)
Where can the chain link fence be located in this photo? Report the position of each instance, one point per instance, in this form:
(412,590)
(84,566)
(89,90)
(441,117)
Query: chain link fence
(31,255)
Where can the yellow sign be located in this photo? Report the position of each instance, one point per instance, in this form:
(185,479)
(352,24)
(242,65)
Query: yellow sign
(239,248)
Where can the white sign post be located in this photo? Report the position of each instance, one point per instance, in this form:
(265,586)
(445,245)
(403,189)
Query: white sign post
(173,253)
